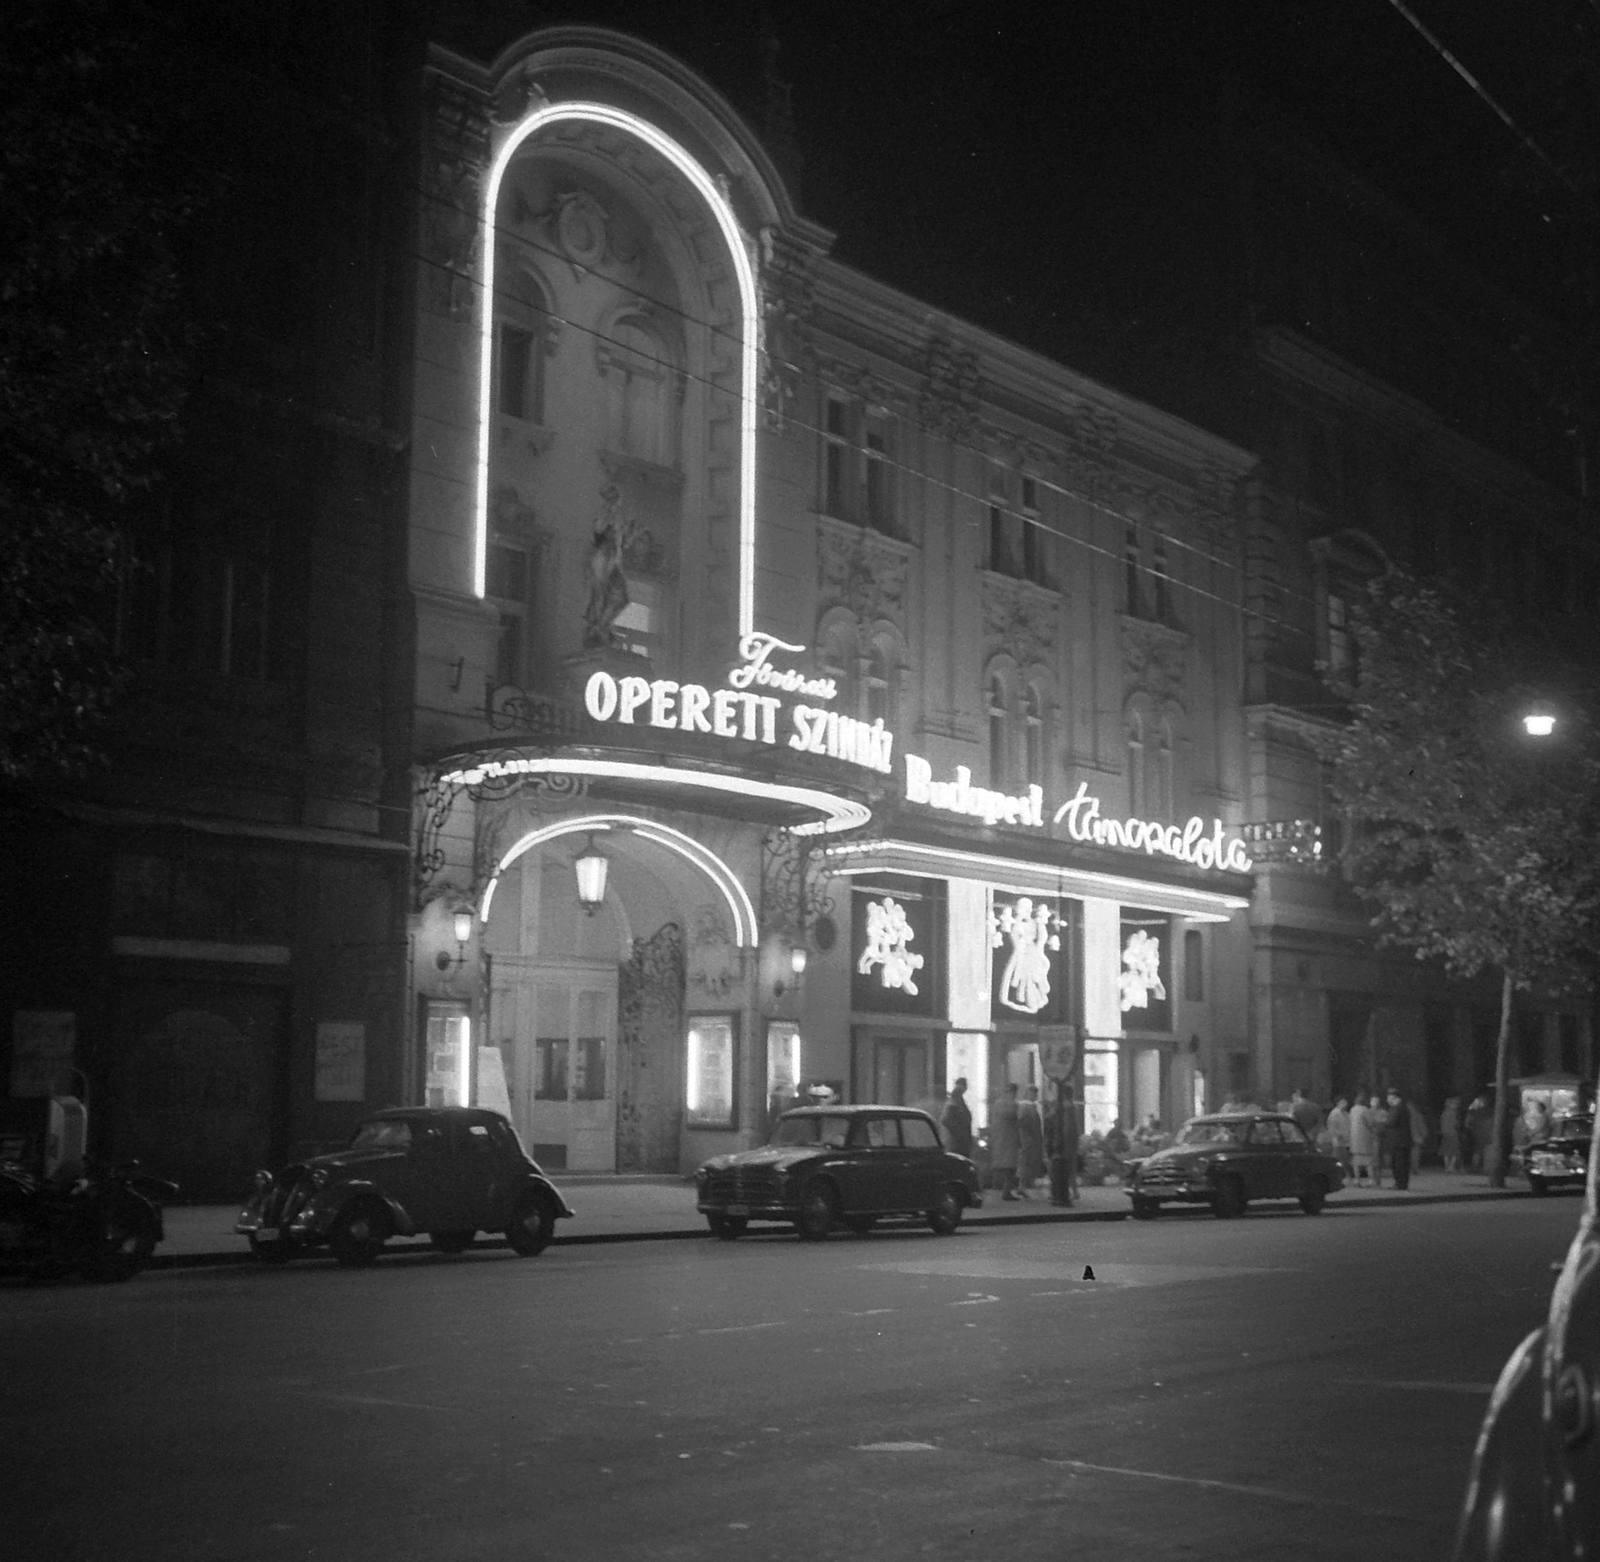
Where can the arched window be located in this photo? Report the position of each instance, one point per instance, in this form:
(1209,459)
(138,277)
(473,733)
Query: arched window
(999,732)
(878,676)
(839,662)
(1033,733)
(521,334)
(640,378)
(1136,776)
(1163,799)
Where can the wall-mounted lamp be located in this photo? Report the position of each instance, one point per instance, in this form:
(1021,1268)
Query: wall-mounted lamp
(1540,720)
(797,964)
(590,869)
(461,926)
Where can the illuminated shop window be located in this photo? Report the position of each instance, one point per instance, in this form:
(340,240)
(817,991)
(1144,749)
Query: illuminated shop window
(449,1055)
(966,1056)
(1100,1085)
(708,1072)
(783,1065)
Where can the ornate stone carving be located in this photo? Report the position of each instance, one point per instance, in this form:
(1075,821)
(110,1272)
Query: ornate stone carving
(862,383)
(1019,619)
(1155,660)
(788,304)
(714,963)
(947,403)
(859,570)
(1009,447)
(458,149)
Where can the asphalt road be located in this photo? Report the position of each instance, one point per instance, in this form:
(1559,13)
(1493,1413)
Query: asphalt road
(1274,1385)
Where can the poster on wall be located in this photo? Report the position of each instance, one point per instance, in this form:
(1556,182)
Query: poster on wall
(1030,947)
(897,947)
(341,1060)
(708,1083)
(42,1046)
(1145,981)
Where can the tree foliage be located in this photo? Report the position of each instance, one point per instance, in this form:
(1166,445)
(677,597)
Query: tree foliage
(91,342)
(1477,844)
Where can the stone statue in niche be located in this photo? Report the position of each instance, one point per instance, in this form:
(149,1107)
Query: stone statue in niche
(608,585)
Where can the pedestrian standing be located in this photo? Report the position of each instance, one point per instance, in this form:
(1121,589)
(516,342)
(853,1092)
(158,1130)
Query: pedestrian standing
(1004,1143)
(1306,1113)
(956,1119)
(1421,1135)
(1479,1130)
(1338,1130)
(1068,1133)
(1030,1141)
(1398,1133)
(1363,1145)
(1450,1134)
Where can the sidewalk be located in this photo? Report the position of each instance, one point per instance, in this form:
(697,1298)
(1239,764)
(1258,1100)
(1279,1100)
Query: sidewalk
(646,1208)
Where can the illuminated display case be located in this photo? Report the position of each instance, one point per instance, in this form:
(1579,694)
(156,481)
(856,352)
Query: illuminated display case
(1145,978)
(898,946)
(711,1048)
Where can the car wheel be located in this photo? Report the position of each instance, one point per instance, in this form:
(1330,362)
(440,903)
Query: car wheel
(945,1216)
(1314,1196)
(1145,1209)
(1228,1201)
(728,1228)
(273,1250)
(862,1224)
(452,1241)
(819,1212)
(124,1241)
(1537,1186)
(358,1235)
(533,1224)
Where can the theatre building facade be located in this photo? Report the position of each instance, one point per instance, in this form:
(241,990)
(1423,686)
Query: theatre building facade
(816,697)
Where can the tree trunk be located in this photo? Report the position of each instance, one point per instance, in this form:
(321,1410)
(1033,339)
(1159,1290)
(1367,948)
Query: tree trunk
(1495,1161)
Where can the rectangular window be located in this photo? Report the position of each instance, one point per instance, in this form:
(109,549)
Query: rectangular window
(1194,965)
(508,578)
(708,1064)
(516,378)
(1339,641)
(1132,596)
(875,448)
(1162,603)
(198,607)
(550,1069)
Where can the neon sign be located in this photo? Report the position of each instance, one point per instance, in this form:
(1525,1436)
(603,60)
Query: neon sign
(1031,932)
(736,713)
(962,797)
(1140,980)
(1191,843)
(755,648)
(888,933)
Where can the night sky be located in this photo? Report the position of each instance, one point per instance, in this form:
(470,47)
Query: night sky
(1050,172)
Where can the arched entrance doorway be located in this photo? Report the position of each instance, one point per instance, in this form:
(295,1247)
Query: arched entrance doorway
(585,1009)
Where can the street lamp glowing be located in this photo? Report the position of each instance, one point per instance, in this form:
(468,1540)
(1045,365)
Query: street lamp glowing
(1540,720)
(591,871)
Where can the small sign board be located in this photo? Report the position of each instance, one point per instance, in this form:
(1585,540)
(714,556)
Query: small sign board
(1058,1050)
(341,1060)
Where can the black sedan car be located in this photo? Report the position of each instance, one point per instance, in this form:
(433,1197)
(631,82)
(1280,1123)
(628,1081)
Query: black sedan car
(1559,1158)
(449,1172)
(1534,1491)
(1231,1159)
(840,1165)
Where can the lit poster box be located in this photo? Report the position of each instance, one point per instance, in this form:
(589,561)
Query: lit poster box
(708,1084)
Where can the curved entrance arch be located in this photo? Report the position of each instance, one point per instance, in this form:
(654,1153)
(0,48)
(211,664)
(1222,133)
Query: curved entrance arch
(722,212)
(702,857)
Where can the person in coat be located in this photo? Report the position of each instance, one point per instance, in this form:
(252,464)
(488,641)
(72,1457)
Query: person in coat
(1450,1134)
(1030,1141)
(1306,1113)
(1363,1145)
(1004,1142)
(956,1119)
(1338,1131)
(1068,1133)
(1398,1136)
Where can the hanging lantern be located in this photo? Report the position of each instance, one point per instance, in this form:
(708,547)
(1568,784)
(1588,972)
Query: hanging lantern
(591,871)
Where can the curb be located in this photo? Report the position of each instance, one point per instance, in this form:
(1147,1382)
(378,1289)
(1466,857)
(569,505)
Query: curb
(1039,1218)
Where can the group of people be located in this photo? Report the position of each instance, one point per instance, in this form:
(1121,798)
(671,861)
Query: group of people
(1018,1134)
(1374,1133)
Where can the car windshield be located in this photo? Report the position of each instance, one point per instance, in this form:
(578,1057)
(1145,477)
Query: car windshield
(824,1130)
(1212,1133)
(1572,1128)
(385,1133)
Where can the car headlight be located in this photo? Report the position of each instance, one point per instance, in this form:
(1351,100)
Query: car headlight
(261,1181)
(319,1177)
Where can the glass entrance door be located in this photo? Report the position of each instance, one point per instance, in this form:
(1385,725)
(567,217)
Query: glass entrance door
(566,1091)
(900,1070)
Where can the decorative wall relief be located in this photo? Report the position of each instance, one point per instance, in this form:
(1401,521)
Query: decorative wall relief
(1019,619)
(863,384)
(608,584)
(458,150)
(788,304)
(1155,660)
(859,570)
(952,384)
(714,963)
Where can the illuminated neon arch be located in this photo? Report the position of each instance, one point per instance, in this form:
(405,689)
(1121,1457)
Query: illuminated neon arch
(701,857)
(620,119)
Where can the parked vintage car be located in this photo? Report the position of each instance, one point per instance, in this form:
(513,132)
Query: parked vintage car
(1559,1158)
(849,1165)
(449,1172)
(1533,1494)
(1230,1159)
